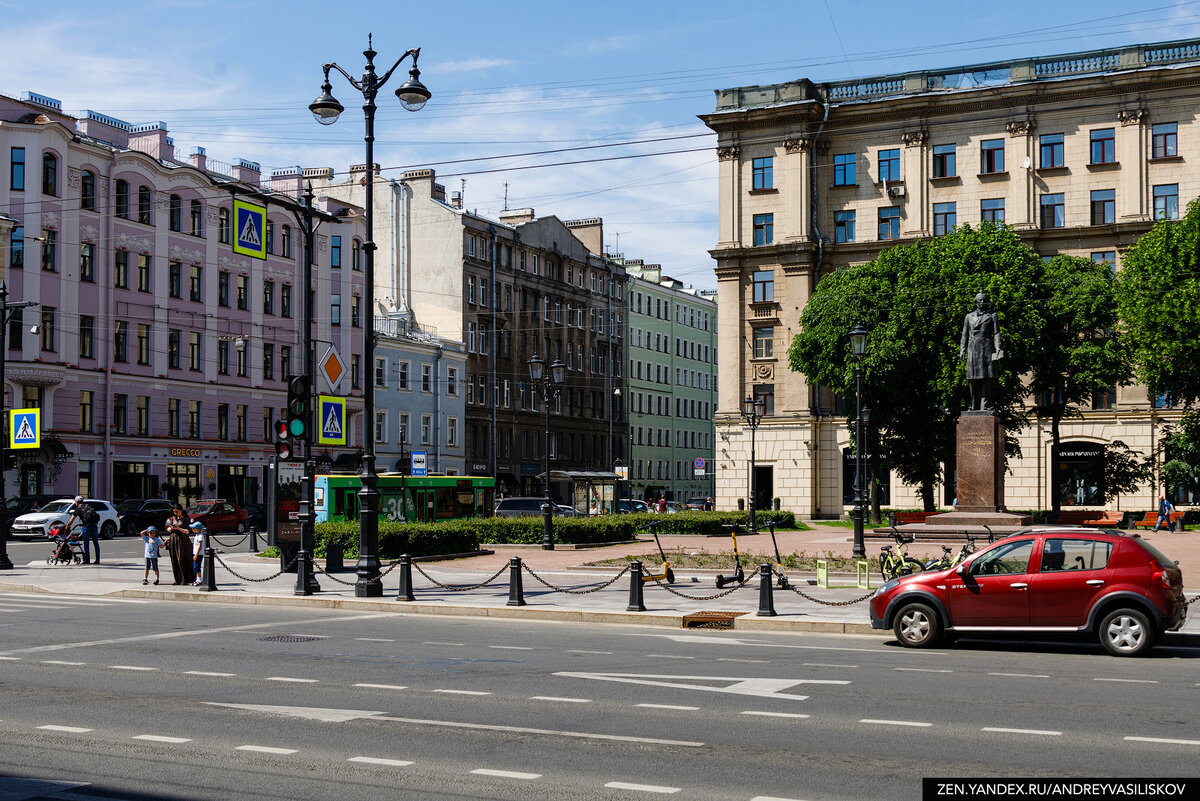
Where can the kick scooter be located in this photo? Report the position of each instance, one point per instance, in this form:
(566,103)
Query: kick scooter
(738,576)
(666,572)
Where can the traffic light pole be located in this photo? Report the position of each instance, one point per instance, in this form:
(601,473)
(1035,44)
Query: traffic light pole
(306,582)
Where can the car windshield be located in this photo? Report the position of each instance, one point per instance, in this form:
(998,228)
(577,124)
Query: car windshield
(199,508)
(125,507)
(56,506)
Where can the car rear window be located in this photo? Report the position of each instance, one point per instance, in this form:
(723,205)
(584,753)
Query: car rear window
(1162,558)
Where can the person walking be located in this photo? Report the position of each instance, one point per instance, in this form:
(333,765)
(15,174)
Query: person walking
(89,528)
(179,546)
(662,504)
(153,543)
(1165,508)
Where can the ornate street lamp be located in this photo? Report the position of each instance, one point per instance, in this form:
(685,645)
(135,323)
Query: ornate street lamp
(858,349)
(550,385)
(752,409)
(326,109)
(6,309)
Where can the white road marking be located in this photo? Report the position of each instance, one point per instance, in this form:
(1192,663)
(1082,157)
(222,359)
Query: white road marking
(669,706)
(577,651)
(10,658)
(263,749)
(73,599)
(208,673)
(40,603)
(1023,675)
(291,679)
(59,662)
(922,670)
(67,729)
(463,692)
(1023,731)
(393,763)
(696,638)
(772,798)
(382,686)
(1131,681)
(453,644)
(775,714)
(510,647)
(823,664)
(506,774)
(668,656)
(748,661)
(307,712)
(645,788)
(563,700)
(374,639)
(765,688)
(158,738)
(32,608)
(1166,740)
(131,667)
(896,722)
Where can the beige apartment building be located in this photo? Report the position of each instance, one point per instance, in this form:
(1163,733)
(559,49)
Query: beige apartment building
(1079,153)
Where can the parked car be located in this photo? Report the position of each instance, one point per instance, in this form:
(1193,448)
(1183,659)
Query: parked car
(523,507)
(1112,585)
(257,516)
(218,515)
(139,513)
(37,524)
(696,504)
(15,507)
(632,505)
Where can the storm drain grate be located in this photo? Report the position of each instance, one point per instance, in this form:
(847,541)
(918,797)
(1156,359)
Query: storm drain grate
(287,638)
(710,620)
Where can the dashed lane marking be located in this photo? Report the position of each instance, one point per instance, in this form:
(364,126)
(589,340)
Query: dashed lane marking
(59,662)
(600,653)
(263,749)
(463,692)
(1023,675)
(506,774)
(1045,732)
(291,679)
(582,735)
(1165,740)
(10,658)
(209,673)
(73,599)
(915,723)
(391,763)
(159,738)
(131,667)
(382,686)
(772,798)
(645,788)
(922,670)
(67,729)
(669,706)
(827,665)
(774,714)
(510,647)
(1130,681)
(373,639)
(747,661)
(561,700)
(32,608)
(451,644)
(668,656)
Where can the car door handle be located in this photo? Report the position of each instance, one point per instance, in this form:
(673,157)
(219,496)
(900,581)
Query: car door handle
(1018,585)
(1095,582)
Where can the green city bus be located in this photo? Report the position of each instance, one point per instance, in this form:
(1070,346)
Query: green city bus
(408,498)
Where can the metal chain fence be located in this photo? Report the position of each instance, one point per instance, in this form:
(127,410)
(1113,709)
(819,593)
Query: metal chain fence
(217,540)
(569,591)
(808,597)
(453,588)
(749,577)
(332,577)
(217,556)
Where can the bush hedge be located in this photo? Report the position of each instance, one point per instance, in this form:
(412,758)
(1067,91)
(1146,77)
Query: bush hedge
(397,539)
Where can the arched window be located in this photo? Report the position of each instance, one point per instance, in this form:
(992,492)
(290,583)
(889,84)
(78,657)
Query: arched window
(87,191)
(145,201)
(197,218)
(49,174)
(122,199)
(176,213)
(223,232)
(285,241)
(356,255)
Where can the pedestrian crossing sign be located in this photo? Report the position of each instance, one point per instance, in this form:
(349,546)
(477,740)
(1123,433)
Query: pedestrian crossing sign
(249,226)
(331,412)
(24,428)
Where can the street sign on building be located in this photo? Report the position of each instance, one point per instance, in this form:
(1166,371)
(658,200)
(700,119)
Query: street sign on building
(24,428)
(699,465)
(418,463)
(332,368)
(331,414)
(249,225)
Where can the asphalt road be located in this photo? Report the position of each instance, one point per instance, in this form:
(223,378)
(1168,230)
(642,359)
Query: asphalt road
(151,699)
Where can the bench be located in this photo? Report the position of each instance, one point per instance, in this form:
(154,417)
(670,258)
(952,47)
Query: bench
(1152,517)
(905,518)
(1083,517)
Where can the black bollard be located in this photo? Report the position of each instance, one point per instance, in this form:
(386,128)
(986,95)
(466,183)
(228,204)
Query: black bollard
(766,601)
(210,578)
(635,588)
(516,591)
(406,587)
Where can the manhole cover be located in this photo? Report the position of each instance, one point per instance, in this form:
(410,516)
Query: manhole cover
(287,638)
(710,620)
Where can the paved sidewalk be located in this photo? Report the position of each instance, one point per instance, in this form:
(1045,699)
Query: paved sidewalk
(837,610)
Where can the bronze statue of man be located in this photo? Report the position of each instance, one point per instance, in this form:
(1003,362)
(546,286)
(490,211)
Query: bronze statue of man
(980,345)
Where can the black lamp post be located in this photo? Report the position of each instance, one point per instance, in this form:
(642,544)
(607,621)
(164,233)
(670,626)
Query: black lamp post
(412,95)
(858,348)
(752,410)
(550,385)
(5,309)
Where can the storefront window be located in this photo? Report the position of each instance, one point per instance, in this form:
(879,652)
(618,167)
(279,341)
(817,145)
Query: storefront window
(1079,474)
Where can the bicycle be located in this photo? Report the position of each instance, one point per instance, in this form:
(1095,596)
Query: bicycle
(946,561)
(898,563)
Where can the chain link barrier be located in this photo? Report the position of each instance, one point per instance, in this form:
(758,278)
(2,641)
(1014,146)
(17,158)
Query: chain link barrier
(217,540)
(217,556)
(808,597)
(464,588)
(749,578)
(332,577)
(569,591)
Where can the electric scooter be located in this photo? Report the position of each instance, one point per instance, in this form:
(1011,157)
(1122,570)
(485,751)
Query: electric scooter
(738,576)
(666,572)
(781,578)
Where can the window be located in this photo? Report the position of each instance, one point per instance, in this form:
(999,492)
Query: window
(174,344)
(1166,202)
(764,170)
(764,286)
(87,262)
(16,168)
(452,382)
(175,279)
(355,371)
(224,227)
(223,421)
(49,250)
(843,226)
(143,272)
(943,161)
(1077,473)
(87,190)
(285,300)
(1006,559)
(195,355)
(240,348)
(945,217)
(16,248)
(381,373)
(1108,257)
(403,433)
(223,288)
(285,362)
(87,337)
(143,415)
(121,199)
(270,237)
(889,223)
(173,417)
(335,252)
(426,428)
(87,399)
(764,343)
(145,211)
(50,174)
(1074,554)
(992,210)
(843,169)
(356,311)
(356,255)
(49,340)
(223,357)
(285,241)
(402,375)
(427,378)
(175,215)
(268,297)
(269,361)
(1163,142)
(143,343)
(1104,146)
(197,218)
(764,229)
(1051,150)
(1053,211)
(1105,398)
(243,292)
(889,165)
(381,426)
(335,309)
(452,432)
(196,285)
(121,341)
(120,415)
(1104,206)
(194,419)
(991,156)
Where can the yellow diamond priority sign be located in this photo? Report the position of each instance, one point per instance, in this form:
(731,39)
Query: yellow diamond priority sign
(332,368)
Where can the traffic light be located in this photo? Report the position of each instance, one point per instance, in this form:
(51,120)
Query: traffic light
(299,409)
(285,449)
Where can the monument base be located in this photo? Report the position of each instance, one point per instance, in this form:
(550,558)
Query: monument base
(991,519)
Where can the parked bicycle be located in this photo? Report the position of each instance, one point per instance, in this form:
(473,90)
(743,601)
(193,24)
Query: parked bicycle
(947,561)
(893,564)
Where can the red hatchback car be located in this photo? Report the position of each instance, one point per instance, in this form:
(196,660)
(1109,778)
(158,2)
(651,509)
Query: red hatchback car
(1112,584)
(219,515)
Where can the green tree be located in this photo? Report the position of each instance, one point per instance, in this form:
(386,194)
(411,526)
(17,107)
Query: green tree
(1179,452)
(913,299)
(1080,351)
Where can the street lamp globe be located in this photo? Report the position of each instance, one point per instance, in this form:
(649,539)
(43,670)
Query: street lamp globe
(326,109)
(412,94)
(536,367)
(558,372)
(858,341)
(748,406)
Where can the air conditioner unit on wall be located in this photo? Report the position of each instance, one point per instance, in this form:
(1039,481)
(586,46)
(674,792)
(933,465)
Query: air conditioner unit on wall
(896,191)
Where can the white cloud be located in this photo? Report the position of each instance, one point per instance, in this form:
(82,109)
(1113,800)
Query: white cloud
(470,65)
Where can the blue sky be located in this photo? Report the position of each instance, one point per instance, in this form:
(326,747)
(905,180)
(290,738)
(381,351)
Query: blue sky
(619,81)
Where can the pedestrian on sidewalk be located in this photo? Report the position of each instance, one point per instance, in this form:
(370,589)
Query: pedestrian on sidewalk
(1165,508)
(89,527)
(199,535)
(179,546)
(153,543)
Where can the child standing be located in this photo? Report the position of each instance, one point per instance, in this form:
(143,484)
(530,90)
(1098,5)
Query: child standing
(153,543)
(198,536)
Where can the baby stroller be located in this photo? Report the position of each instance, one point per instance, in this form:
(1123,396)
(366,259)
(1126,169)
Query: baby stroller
(67,547)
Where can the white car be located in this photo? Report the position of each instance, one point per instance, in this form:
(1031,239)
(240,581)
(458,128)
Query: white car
(36,525)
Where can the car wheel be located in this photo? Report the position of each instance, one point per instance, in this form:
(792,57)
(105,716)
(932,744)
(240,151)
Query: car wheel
(108,530)
(917,626)
(241,527)
(1126,632)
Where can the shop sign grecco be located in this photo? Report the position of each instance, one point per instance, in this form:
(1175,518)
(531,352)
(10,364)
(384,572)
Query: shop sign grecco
(187,453)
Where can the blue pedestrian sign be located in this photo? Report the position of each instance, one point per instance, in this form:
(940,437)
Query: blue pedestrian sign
(24,428)
(331,412)
(418,464)
(249,227)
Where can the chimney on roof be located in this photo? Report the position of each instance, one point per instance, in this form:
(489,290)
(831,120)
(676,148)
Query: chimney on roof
(516,216)
(248,172)
(198,159)
(590,232)
(151,138)
(287,181)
